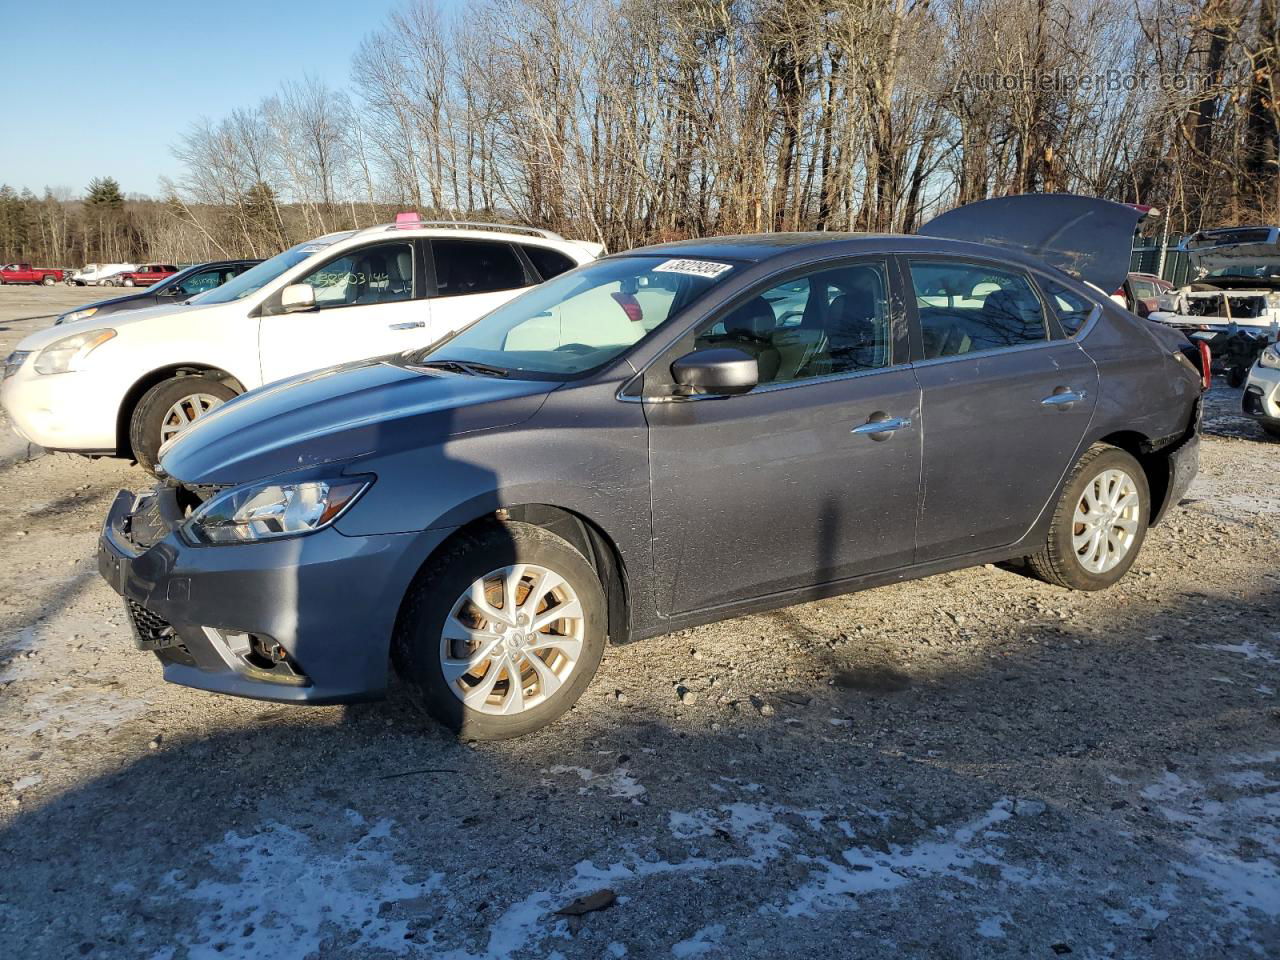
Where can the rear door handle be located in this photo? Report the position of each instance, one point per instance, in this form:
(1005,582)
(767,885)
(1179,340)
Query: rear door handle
(881,427)
(407,325)
(1062,398)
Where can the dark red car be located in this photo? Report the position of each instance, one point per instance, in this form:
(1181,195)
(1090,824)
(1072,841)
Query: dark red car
(1141,293)
(145,275)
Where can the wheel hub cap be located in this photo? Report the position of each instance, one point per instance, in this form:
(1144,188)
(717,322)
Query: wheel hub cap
(186,412)
(1105,524)
(512,639)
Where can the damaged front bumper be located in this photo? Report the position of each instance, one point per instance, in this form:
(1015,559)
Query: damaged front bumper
(306,619)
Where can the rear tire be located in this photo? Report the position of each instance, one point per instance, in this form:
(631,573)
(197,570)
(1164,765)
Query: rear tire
(446,647)
(1099,524)
(161,412)
(47,280)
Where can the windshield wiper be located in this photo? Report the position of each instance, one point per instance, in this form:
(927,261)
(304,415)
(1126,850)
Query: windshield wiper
(465,366)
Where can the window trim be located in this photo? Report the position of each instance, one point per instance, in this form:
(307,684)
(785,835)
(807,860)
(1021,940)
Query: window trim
(917,329)
(898,330)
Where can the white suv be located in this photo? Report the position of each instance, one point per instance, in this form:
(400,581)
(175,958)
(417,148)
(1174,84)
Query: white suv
(100,274)
(126,386)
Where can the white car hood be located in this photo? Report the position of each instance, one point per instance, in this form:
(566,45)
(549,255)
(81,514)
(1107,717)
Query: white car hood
(115,321)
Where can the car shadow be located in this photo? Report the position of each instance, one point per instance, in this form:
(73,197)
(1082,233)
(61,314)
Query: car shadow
(371,831)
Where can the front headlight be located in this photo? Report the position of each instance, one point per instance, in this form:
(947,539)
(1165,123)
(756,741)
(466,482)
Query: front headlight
(75,315)
(1270,357)
(65,355)
(268,511)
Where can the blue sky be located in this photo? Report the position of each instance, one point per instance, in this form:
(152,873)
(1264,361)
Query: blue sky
(104,88)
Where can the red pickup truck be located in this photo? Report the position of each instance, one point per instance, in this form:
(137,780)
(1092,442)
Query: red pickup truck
(25,273)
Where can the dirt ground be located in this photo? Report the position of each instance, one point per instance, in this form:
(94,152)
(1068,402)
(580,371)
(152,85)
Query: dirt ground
(974,765)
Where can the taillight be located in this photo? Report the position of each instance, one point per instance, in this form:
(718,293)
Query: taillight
(1206,365)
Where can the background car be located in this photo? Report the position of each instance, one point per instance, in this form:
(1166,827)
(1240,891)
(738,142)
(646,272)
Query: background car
(96,274)
(1143,293)
(129,383)
(663,438)
(25,273)
(144,276)
(1261,398)
(174,290)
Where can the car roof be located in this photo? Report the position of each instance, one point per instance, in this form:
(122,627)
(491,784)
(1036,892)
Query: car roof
(817,245)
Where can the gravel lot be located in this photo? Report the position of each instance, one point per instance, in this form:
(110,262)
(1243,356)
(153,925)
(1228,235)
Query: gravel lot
(975,765)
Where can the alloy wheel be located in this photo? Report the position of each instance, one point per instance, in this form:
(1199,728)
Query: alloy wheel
(1105,523)
(512,639)
(185,412)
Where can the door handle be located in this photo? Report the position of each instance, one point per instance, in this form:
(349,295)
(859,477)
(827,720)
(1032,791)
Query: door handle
(1062,398)
(407,325)
(881,427)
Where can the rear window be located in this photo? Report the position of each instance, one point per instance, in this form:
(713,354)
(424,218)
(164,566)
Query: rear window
(549,263)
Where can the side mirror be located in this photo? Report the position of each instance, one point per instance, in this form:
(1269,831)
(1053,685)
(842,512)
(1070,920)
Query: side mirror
(720,371)
(297,297)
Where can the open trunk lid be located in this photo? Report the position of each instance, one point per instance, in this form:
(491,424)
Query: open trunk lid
(1088,238)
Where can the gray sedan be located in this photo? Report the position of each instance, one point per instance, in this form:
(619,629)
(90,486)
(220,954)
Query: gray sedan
(664,438)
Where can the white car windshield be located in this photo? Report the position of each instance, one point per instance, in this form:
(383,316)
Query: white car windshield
(256,278)
(579,320)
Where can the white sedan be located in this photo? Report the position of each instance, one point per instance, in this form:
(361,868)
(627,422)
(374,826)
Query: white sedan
(126,386)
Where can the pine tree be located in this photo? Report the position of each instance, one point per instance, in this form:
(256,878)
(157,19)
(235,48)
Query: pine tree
(104,192)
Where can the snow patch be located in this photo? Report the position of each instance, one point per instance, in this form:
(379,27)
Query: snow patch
(618,782)
(286,895)
(1248,649)
(869,870)
(701,943)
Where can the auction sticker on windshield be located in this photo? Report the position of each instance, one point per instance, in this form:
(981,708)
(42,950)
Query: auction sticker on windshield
(694,268)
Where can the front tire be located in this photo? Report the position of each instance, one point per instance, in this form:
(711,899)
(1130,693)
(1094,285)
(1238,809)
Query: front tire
(128,282)
(167,409)
(501,634)
(1099,524)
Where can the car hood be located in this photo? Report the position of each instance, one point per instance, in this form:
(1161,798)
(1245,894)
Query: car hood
(1086,237)
(124,318)
(339,414)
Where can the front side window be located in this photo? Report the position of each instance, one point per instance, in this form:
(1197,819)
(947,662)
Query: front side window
(969,307)
(255,278)
(476,266)
(381,273)
(580,320)
(203,281)
(830,322)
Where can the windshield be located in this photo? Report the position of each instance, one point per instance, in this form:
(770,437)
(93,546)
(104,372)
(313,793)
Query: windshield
(257,277)
(580,319)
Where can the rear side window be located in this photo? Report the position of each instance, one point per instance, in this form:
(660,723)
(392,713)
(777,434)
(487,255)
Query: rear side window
(1073,309)
(475,266)
(549,263)
(969,307)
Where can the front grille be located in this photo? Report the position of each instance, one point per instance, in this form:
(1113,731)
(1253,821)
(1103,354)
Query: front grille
(153,632)
(14,361)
